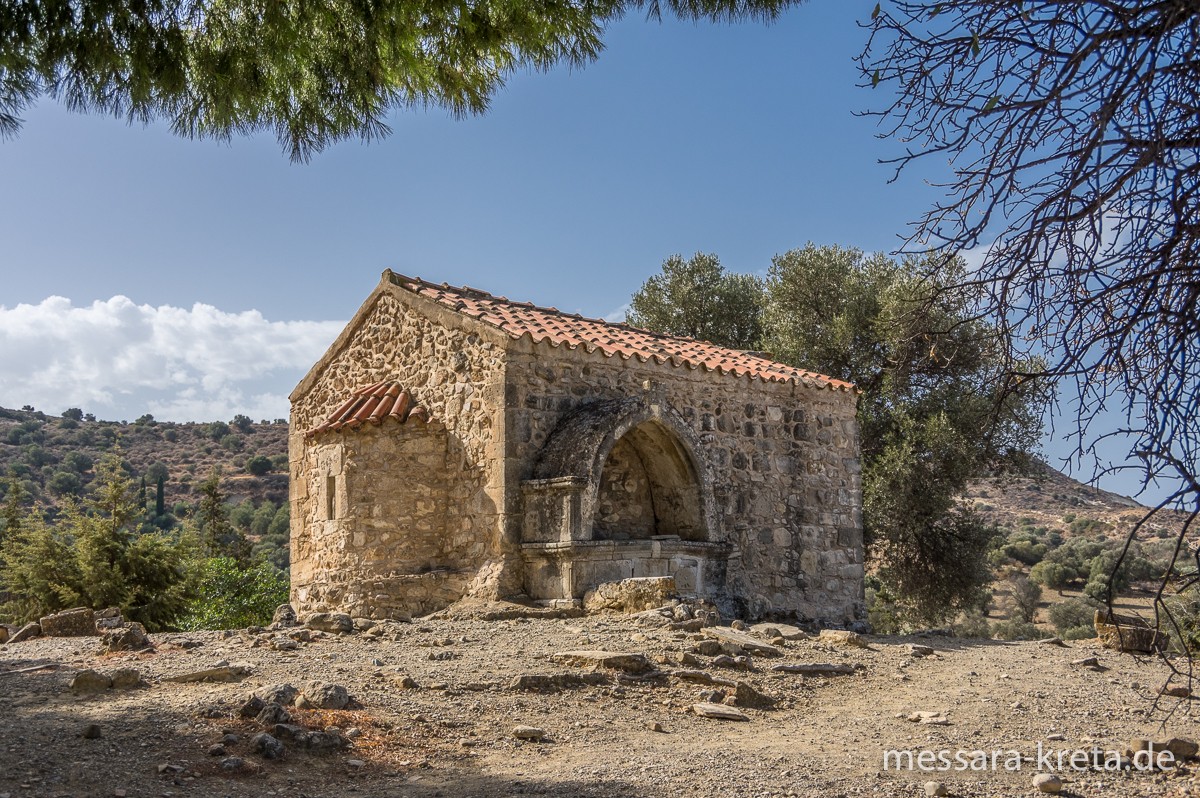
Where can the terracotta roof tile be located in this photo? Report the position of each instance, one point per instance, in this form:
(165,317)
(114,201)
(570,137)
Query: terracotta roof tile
(372,405)
(519,319)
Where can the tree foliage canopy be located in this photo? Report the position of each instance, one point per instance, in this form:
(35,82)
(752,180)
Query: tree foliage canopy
(697,298)
(934,410)
(312,72)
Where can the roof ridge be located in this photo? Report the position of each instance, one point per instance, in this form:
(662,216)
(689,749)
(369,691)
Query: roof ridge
(510,317)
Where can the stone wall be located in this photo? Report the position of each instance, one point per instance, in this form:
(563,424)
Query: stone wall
(417,508)
(782,462)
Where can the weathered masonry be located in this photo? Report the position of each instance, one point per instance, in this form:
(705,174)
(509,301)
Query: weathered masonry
(454,443)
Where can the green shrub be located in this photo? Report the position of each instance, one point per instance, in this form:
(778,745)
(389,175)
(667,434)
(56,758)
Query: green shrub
(1078,633)
(230,596)
(1016,630)
(259,464)
(1072,613)
(972,625)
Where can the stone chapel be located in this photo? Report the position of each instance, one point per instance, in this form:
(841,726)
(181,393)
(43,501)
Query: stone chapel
(453,443)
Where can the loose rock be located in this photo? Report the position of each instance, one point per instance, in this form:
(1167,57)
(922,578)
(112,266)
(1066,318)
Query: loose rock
(90,681)
(1047,782)
(272,714)
(322,695)
(333,622)
(529,733)
(267,745)
(125,679)
(718,712)
(282,694)
(130,637)
(284,617)
(841,637)
(935,789)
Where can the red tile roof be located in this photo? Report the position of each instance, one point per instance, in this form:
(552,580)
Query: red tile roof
(519,319)
(373,405)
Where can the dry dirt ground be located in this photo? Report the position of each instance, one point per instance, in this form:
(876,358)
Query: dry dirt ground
(453,734)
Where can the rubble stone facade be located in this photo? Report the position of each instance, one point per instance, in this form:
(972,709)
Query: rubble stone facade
(454,443)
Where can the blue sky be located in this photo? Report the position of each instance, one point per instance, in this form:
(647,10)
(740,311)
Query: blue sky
(197,279)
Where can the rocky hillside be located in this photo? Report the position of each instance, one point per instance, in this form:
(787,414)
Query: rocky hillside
(54,457)
(1051,499)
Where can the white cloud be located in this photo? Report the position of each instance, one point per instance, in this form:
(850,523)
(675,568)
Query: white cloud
(118,359)
(619,314)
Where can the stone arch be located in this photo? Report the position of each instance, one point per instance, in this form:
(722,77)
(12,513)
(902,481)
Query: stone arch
(647,447)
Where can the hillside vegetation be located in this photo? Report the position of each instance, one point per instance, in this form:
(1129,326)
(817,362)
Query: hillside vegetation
(46,460)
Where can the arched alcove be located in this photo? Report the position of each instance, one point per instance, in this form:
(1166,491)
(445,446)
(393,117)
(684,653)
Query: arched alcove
(648,487)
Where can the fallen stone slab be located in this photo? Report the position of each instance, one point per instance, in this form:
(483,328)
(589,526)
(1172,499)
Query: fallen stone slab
(702,677)
(1087,662)
(27,632)
(1053,641)
(770,631)
(556,682)
(929,718)
(918,650)
(220,673)
(718,712)
(816,669)
(79,622)
(723,634)
(612,660)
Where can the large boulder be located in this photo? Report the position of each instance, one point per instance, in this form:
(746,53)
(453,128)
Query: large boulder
(79,622)
(90,681)
(130,637)
(284,617)
(322,695)
(334,622)
(630,595)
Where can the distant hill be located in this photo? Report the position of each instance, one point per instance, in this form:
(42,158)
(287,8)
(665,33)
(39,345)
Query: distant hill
(1048,498)
(54,456)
